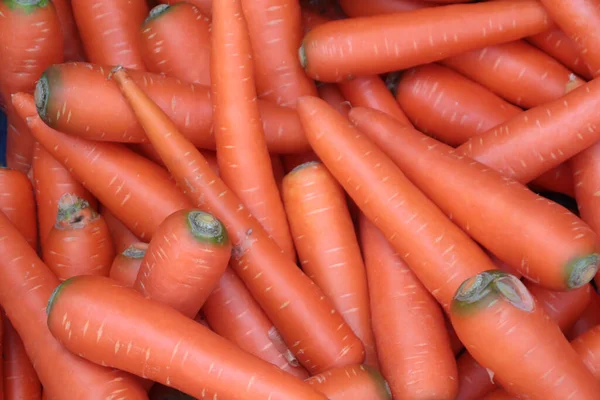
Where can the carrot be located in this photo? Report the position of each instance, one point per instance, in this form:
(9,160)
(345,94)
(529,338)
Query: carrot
(548,366)
(351,382)
(541,239)
(327,246)
(393,203)
(232,313)
(291,161)
(17,202)
(558,179)
(51,181)
(205,6)
(289,298)
(360,8)
(410,331)
(587,184)
(199,363)
(588,319)
(109,30)
(105,115)
(19,142)
(176,41)
(25,288)
(334,97)
(20,379)
(455,343)
(588,347)
(126,265)
(121,236)
(184,261)
(366,46)
(73,48)
(120,179)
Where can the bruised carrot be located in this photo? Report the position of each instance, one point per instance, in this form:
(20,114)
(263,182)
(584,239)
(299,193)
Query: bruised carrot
(327,246)
(232,313)
(205,6)
(393,203)
(17,202)
(352,47)
(184,261)
(20,379)
(176,41)
(360,8)
(199,363)
(334,97)
(588,319)
(351,382)
(126,265)
(137,191)
(289,298)
(73,48)
(122,237)
(105,115)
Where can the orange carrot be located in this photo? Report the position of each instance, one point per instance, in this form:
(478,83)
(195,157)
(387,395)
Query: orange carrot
(20,379)
(73,49)
(122,237)
(19,142)
(205,6)
(441,255)
(588,319)
(199,363)
(126,265)
(105,115)
(334,97)
(176,41)
(360,8)
(121,180)
(587,184)
(588,347)
(351,382)
(327,246)
(289,298)
(353,47)
(17,202)
(410,331)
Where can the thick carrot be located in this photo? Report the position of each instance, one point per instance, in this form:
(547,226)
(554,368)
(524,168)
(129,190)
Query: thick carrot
(526,353)
(199,362)
(20,379)
(232,312)
(539,238)
(122,237)
(184,261)
(105,115)
(290,299)
(19,142)
(121,180)
(410,330)
(126,265)
(588,319)
(205,6)
(327,246)
(351,382)
(73,48)
(51,181)
(176,41)
(109,30)
(25,288)
(441,255)
(361,8)
(17,202)
(352,47)
(334,97)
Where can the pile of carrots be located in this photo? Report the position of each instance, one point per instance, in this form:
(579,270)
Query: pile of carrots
(300,200)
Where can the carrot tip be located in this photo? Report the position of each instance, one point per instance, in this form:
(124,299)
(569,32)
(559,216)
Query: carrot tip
(206,227)
(583,271)
(41,96)
(136,250)
(156,12)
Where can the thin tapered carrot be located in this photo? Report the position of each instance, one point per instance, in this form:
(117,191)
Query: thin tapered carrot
(547,366)
(351,382)
(126,265)
(197,362)
(327,246)
(51,181)
(232,312)
(20,378)
(73,48)
(289,298)
(176,41)
(352,47)
(122,237)
(242,153)
(359,8)
(205,6)
(25,288)
(109,30)
(412,341)
(105,115)
(588,319)
(560,250)
(184,261)
(441,255)
(17,202)
(121,180)
(334,97)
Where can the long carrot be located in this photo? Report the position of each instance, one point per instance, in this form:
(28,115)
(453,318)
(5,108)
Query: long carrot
(199,362)
(327,246)
(176,41)
(352,47)
(288,297)
(121,180)
(105,115)
(122,237)
(541,239)
(126,265)
(73,48)
(205,6)
(17,202)
(410,330)
(360,8)
(351,382)
(25,288)
(20,379)
(441,255)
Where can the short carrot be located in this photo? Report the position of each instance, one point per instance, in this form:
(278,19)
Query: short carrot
(199,363)
(289,298)
(176,41)
(410,330)
(334,97)
(126,265)
(352,47)
(441,255)
(17,202)
(205,6)
(20,378)
(351,382)
(359,8)
(72,46)
(541,239)
(122,237)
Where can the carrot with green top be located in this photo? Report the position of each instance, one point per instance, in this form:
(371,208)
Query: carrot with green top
(17,202)
(351,382)
(20,378)
(290,299)
(126,265)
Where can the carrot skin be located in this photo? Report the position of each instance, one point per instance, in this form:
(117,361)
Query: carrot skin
(359,8)
(122,237)
(20,378)
(17,202)
(334,97)
(73,48)
(351,382)
(126,265)
(19,142)
(587,183)
(205,6)
(588,319)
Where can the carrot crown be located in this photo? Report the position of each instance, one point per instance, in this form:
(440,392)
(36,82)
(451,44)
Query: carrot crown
(136,250)
(207,228)
(26,6)
(74,212)
(41,95)
(582,270)
(157,12)
(57,291)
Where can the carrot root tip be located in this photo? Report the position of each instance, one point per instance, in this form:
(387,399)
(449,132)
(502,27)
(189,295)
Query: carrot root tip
(302,56)
(136,250)
(156,12)
(41,96)
(206,227)
(583,271)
